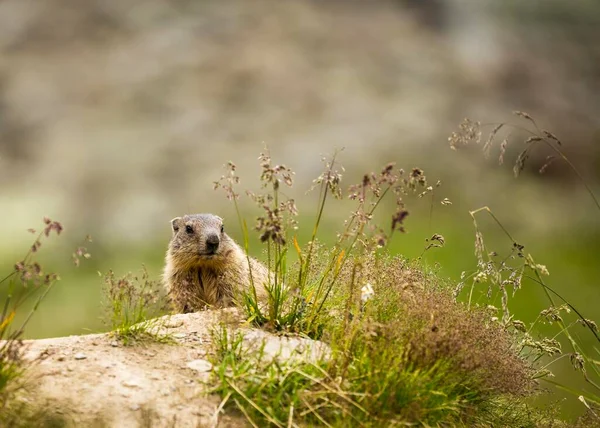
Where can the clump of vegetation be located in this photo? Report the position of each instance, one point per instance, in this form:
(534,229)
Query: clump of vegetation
(420,308)
(499,273)
(132,301)
(23,283)
(21,414)
(26,285)
(411,355)
(403,351)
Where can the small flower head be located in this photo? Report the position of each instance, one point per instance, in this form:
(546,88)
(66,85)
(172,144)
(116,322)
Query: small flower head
(468,131)
(228,181)
(366,293)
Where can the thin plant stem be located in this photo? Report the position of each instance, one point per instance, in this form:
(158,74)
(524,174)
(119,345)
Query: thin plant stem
(322,200)
(558,152)
(540,281)
(347,253)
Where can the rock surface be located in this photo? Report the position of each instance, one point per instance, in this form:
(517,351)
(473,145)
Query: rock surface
(92,381)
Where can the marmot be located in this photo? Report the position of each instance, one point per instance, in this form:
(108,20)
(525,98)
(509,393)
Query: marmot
(206,268)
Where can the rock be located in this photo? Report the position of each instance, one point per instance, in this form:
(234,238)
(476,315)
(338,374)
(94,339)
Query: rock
(285,349)
(80,356)
(199,365)
(180,335)
(173,323)
(131,383)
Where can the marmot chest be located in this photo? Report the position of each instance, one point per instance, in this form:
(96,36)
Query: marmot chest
(213,287)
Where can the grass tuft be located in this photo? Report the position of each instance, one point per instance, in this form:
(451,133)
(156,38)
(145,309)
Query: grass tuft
(27,284)
(132,301)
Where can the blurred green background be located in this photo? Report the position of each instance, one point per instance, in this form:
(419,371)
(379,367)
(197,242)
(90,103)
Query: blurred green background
(116,116)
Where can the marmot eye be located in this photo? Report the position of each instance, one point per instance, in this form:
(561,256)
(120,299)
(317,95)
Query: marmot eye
(189,229)
(222,229)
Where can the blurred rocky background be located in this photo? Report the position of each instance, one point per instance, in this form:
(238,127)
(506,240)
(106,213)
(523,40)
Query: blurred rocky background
(117,115)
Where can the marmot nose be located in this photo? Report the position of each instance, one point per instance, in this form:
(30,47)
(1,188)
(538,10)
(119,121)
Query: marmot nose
(212,243)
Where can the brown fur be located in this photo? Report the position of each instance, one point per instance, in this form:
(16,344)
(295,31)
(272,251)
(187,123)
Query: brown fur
(197,278)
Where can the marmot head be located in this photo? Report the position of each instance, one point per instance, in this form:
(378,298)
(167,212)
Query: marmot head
(199,239)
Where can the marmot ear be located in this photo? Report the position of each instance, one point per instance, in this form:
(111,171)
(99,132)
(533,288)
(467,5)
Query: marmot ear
(175,223)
